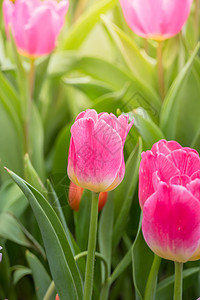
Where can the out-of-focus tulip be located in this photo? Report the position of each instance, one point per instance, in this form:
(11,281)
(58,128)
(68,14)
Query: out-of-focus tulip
(96,159)
(75,194)
(156,19)
(57,297)
(35,24)
(169,194)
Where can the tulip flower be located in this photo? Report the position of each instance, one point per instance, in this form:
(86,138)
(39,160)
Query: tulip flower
(35,24)
(57,297)
(96,159)
(75,194)
(156,19)
(169,194)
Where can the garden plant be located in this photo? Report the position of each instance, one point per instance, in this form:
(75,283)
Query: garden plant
(99,150)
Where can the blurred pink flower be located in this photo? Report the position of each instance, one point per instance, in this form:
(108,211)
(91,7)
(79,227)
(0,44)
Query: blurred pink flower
(35,24)
(169,194)
(156,19)
(96,159)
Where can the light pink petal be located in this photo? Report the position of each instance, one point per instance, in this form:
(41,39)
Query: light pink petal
(165,147)
(194,188)
(155,18)
(95,157)
(180,180)
(146,170)
(166,169)
(187,162)
(171,223)
(89,113)
(8,8)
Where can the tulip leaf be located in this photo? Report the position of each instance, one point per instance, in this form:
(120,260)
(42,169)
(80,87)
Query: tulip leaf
(12,200)
(10,229)
(180,116)
(135,61)
(141,255)
(165,287)
(105,232)
(91,87)
(41,278)
(108,73)
(82,220)
(123,194)
(82,27)
(64,270)
(19,273)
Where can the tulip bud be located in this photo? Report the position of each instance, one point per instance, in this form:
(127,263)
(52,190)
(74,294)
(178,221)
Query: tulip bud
(57,297)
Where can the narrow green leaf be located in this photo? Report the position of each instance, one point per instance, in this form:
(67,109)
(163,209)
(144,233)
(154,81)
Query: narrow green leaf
(172,104)
(125,192)
(105,233)
(141,256)
(64,270)
(10,229)
(135,61)
(41,278)
(19,273)
(79,31)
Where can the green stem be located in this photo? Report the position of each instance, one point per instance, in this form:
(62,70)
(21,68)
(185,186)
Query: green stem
(89,273)
(161,80)
(80,9)
(178,281)
(50,291)
(150,290)
(97,255)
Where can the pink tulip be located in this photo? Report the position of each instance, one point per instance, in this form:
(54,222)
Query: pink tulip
(156,19)
(35,24)
(96,159)
(169,194)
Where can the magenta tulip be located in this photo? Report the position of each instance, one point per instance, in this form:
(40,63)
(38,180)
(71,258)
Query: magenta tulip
(35,24)
(96,160)
(169,194)
(156,19)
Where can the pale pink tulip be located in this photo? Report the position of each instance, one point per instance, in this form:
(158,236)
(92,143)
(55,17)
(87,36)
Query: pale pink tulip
(96,159)
(35,24)
(169,194)
(156,19)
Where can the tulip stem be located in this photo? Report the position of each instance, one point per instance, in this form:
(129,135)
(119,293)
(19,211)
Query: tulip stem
(150,290)
(161,80)
(31,77)
(196,20)
(89,273)
(178,281)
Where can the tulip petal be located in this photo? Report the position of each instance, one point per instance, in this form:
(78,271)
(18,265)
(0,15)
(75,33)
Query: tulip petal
(171,223)
(95,155)
(165,147)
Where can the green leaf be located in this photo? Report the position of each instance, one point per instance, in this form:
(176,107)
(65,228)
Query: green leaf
(41,278)
(19,273)
(141,256)
(134,59)
(166,286)
(82,220)
(105,232)
(125,192)
(10,229)
(79,31)
(148,130)
(64,270)
(91,87)
(180,116)
(12,200)
(108,73)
